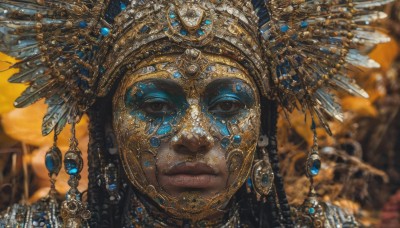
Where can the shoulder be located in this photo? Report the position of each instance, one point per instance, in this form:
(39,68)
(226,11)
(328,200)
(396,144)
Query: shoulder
(322,214)
(44,213)
(335,215)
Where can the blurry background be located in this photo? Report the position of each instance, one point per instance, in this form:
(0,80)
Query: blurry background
(361,163)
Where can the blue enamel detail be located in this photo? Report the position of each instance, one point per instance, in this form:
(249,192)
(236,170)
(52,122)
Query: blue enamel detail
(164,129)
(200,32)
(208,22)
(183,32)
(155,142)
(177,74)
(249,183)
(238,87)
(225,143)
(147,164)
(311,210)
(172,15)
(144,29)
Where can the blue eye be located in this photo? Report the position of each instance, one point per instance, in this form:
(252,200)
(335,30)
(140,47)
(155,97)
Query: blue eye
(225,106)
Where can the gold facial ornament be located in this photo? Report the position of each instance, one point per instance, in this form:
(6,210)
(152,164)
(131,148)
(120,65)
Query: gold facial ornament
(193,129)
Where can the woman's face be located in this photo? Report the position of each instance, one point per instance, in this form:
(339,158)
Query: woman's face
(187,130)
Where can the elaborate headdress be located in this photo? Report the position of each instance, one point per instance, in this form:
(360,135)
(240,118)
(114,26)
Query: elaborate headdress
(71,52)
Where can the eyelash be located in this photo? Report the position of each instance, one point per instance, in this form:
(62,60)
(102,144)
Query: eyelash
(158,107)
(235,103)
(167,109)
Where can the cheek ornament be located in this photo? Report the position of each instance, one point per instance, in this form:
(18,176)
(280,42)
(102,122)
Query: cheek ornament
(262,176)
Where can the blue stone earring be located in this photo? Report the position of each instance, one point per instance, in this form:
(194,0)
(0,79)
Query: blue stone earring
(73,210)
(53,159)
(311,210)
(262,176)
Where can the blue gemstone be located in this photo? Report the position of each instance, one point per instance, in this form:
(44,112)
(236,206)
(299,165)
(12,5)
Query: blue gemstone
(71,166)
(237,139)
(265,179)
(225,143)
(112,187)
(172,15)
(141,116)
(200,32)
(177,74)
(183,32)
(84,71)
(144,29)
(83,24)
(175,23)
(164,129)
(208,22)
(80,54)
(284,28)
(147,164)
(311,210)
(304,24)
(316,165)
(155,142)
(50,163)
(105,31)
(313,125)
(102,70)
(238,87)
(122,6)
(139,209)
(249,183)
(68,196)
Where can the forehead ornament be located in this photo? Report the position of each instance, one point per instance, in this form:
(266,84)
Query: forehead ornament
(190,22)
(191,62)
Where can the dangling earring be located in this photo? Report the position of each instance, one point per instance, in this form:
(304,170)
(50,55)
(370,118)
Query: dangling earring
(311,211)
(262,176)
(73,211)
(53,159)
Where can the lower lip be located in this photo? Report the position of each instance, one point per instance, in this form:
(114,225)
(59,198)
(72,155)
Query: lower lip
(191,181)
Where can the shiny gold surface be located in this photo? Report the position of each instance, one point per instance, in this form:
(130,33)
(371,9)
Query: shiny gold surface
(195,126)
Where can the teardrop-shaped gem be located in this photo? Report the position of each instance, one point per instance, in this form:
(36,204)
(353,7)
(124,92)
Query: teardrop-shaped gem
(313,165)
(73,163)
(53,160)
(316,165)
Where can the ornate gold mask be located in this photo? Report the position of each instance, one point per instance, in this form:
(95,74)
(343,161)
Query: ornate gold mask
(187,128)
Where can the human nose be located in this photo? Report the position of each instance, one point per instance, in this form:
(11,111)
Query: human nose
(193,137)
